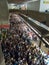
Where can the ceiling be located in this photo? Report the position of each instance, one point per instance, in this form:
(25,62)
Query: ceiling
(17,1)
(20,1)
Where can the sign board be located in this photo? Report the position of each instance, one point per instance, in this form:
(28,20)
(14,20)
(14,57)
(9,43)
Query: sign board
(44,5)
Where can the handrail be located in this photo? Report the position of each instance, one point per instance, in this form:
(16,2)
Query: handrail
(37,23)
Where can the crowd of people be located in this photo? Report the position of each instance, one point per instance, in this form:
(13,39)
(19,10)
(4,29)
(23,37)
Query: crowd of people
(17,47)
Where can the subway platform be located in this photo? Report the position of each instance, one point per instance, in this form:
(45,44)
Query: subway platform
(20,44)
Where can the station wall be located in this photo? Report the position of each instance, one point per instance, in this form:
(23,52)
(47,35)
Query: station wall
(33,6)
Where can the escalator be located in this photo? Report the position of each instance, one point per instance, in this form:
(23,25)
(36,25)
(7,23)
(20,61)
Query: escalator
(40,29)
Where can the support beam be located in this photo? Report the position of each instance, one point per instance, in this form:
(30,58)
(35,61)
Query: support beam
(3,13)
(3,21)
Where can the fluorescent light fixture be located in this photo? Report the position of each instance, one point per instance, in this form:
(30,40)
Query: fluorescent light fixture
(30,1)
(11,4)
